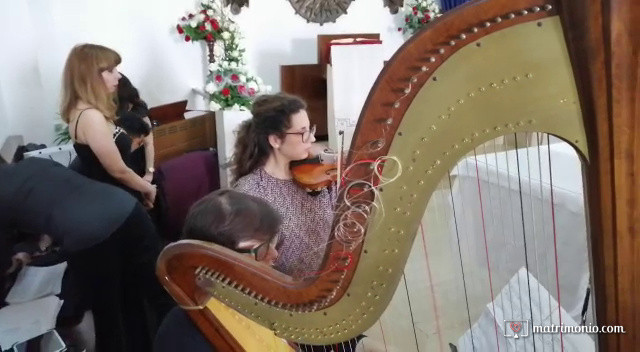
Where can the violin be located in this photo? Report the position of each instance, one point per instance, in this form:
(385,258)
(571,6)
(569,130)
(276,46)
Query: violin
(315,173)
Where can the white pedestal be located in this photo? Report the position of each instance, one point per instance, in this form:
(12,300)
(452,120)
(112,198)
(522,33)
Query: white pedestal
(227,124)
(353,70)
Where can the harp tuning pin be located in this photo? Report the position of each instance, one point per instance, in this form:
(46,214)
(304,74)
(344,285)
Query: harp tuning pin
(511,16)
(462,36)
(441,50)
(432,59)
(524,12)
(535,9)
(548,7)
(474,29)
(452,42)
(498,19)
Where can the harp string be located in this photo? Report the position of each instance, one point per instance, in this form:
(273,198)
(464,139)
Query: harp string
(464,281)
(540,138)
(434,305)
(513,234)
(555,246)
(413,325)
(486,249)
(534,234)
(501,226)
(383,339)
(524,234)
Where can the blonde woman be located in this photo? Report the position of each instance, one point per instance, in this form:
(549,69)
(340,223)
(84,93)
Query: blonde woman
(90,82)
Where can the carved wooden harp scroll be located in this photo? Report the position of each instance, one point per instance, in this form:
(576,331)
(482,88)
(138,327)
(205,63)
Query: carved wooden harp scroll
(430,106)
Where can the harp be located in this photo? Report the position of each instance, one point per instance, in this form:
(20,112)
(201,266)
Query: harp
(529,69)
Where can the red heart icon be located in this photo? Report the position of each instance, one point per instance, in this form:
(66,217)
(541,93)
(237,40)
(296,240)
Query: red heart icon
(515,327)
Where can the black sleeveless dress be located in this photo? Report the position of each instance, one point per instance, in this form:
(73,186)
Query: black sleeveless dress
(88,164)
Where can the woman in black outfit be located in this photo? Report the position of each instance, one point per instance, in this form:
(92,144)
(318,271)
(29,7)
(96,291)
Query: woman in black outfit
(90,81)
(106,234)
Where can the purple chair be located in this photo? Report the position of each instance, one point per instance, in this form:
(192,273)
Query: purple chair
(181,182)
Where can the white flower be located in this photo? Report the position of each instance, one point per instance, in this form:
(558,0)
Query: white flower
(213,106)
(193,23)
(243,108)
(259,80)
(235,53)
(204,2)
(210,12)
(218,50)
(252,85)
(235,107)
(210,88)
(200,17)
(207,26)
(224,64)
(226,35)
(424,3)
(267,89)
(233,65)
(213,67)
(242,78)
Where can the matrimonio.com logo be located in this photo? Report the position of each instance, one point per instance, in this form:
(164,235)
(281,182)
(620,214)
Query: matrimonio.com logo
(522,328)
(516,328)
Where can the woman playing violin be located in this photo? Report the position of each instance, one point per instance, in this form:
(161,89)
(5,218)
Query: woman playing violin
(278,133)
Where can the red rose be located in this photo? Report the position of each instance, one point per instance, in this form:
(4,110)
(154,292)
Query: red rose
(234,78)
(406,19)
(424,20)
(399,29)
(202,28)
(180,30)
(209,37)
(415,13)
(183,18)
(226,92)
(190,16)
(427,16)
(415,8)
(215,25)
(242,89)
(187,38)
(204,12)
(219,79)
(252,92)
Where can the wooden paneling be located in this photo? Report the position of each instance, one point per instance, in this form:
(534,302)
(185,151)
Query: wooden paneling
(306,81)
(176,138)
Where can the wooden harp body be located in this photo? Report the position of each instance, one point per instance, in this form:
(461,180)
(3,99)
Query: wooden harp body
(482,71)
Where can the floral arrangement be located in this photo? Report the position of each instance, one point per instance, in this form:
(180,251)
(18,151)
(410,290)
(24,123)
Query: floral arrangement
(229,84)
(417,14)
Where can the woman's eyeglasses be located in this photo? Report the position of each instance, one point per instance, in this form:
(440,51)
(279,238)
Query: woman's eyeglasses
(306,135)
(260,252)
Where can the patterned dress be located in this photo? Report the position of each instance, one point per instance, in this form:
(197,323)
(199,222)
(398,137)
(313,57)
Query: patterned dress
(306,221)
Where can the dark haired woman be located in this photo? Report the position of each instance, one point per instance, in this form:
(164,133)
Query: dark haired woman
(278,133)
(242,223)
(130,103)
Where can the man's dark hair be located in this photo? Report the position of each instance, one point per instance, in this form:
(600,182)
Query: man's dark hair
(133,125)
(227,217)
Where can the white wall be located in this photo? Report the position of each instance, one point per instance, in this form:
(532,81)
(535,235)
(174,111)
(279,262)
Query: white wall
(38,35)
